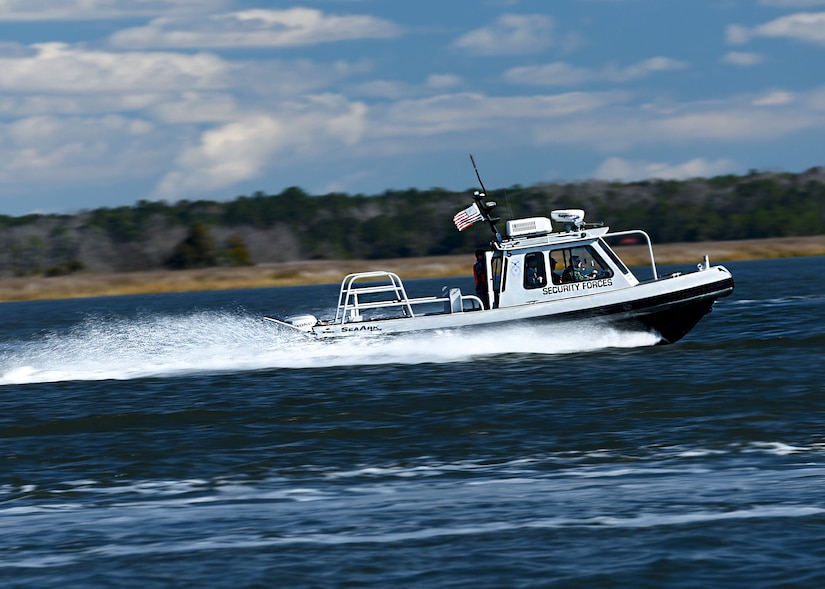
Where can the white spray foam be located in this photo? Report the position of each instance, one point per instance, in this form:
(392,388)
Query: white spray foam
(160,345)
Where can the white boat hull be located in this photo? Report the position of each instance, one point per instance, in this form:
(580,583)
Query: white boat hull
(533,276)
(671,306)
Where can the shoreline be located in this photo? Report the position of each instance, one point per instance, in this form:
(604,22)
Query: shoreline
(87,284)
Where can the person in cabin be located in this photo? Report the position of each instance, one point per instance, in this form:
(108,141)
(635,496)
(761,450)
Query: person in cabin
(480,277)
(532,278)
(576,272)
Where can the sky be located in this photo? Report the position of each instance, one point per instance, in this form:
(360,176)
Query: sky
(107,102)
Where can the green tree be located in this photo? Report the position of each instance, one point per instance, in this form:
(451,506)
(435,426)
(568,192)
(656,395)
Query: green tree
(196,250)
(236,253)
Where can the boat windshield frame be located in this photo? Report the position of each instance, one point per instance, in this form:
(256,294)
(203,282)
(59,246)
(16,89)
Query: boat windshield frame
(615,257)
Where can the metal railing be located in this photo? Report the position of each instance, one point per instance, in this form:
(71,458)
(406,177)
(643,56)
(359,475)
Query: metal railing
(381,290)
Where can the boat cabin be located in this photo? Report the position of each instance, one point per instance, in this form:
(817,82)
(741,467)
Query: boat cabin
(533,263)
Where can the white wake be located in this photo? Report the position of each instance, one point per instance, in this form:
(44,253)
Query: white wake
(122,349)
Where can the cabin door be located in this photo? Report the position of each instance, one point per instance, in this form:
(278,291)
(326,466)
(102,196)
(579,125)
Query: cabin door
(495,266)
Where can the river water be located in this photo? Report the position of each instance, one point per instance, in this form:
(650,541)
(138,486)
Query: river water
(181,441)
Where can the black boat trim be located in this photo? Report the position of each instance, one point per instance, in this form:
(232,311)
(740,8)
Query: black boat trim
(672,315)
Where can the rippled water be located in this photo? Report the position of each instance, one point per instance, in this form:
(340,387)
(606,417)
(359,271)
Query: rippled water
(179,440)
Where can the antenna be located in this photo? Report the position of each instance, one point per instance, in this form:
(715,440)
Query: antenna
(472,159)
(486,207)
(507,200)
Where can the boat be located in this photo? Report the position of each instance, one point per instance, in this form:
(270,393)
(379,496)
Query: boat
(540,271)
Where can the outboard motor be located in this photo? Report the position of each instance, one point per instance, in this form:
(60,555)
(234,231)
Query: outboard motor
(303,322)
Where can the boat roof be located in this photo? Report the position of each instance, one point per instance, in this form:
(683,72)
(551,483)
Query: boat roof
(545,238)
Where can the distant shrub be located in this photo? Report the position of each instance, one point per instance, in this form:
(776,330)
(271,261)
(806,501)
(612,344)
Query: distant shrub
(65,268)
(235,252)
(196,250)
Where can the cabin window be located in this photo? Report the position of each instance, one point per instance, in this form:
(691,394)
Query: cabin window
(577,264)
(535,275)
(622,268)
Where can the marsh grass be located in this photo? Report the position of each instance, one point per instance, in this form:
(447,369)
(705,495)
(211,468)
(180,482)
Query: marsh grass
(87,284)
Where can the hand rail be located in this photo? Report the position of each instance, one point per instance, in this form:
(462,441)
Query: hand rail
(649,245)
(350,304)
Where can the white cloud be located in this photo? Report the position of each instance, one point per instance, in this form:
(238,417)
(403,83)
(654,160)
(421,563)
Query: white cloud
(72,10)
(511,34)
(777,98)
(792,3)
(242,144)
(802,26)
(196,107)
(398,90)
(85,149)
(92,115)
(616,168)
(467,112)
(564,74)
(388,89)
(56,78)
(154,104)
(292,27)
(816,99)
(440,81)
(742,58)
(320,126)
(646,67)
(239,150)
(57,67)
(28,105)
(748,119)
(737,34)
(731,124)
(551,74)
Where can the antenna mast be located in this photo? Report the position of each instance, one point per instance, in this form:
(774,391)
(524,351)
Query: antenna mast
(486,207)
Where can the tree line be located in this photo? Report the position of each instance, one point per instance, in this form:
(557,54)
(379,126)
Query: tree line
(294,225)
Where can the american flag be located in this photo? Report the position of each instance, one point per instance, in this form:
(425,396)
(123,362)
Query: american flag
(467,217)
